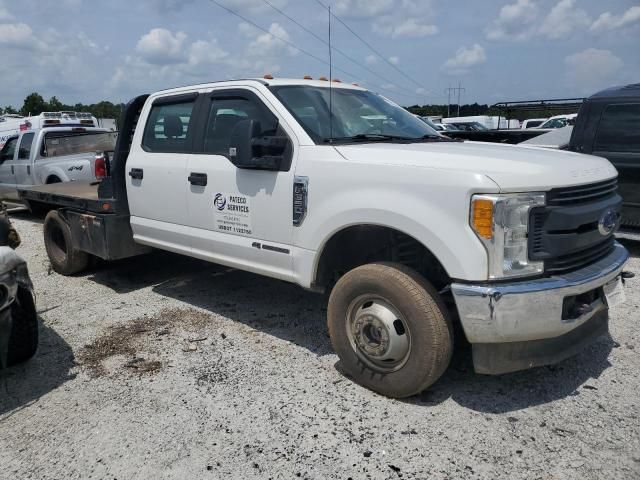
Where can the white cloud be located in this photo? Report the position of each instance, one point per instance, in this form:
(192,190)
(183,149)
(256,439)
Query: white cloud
(17,35)
(273,43)
(609,21)
(394,60)
(401,18)
(160,46)
(371,59)
(464,59)
(564,19)
(592,70)
(205,53)
(515,20)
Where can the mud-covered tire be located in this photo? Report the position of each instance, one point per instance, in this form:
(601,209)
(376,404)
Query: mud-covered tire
(64,259)
(424,318)
(23,341)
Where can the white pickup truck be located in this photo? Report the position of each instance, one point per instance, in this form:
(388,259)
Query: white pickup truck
(409,232)
(50,155)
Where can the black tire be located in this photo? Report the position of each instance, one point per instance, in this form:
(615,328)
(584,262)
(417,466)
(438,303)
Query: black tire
(64,259)
(23,341)
(423,314)
(53,180)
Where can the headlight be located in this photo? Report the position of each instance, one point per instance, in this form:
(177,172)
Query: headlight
(502,224)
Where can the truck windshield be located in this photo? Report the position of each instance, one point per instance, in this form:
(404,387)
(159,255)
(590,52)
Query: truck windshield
(357,116)
(57,144)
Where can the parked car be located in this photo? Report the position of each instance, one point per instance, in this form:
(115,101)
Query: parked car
(532,123)
(405,229)
(469,126)
(52,155)
(558,121)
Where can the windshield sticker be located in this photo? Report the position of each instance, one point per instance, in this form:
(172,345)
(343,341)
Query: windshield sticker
(232,213)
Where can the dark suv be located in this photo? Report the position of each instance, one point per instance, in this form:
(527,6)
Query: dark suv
(608,125)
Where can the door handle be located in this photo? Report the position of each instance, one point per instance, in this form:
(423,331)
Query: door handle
(199,179)
(136,173)
(12,170)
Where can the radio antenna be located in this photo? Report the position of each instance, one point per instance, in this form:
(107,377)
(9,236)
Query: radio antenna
(330,84)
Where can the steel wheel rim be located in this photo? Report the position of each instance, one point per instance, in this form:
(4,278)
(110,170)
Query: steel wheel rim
(378,333)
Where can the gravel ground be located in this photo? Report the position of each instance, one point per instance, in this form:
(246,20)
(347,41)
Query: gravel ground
(167,367)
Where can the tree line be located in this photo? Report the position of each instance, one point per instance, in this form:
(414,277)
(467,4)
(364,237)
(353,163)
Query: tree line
(35,104)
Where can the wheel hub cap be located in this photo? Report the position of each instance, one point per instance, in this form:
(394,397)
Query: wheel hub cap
(378,333)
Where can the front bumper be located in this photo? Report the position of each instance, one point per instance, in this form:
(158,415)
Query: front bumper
(532,311)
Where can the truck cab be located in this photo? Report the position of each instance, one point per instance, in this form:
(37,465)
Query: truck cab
(339,190)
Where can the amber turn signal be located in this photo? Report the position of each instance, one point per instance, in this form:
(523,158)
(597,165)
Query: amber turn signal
(482,218)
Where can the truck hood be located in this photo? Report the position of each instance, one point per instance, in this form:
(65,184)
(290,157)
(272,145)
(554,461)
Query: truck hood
(512,167)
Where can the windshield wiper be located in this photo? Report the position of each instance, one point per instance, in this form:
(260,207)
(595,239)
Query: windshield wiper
(434,138)
(369,137)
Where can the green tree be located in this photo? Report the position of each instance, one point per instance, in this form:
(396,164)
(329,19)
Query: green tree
(55,105)
(34,104)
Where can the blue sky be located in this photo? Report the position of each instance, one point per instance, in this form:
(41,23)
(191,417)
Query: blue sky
(86,51)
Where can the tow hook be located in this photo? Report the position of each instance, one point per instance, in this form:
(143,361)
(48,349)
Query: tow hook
(626,276)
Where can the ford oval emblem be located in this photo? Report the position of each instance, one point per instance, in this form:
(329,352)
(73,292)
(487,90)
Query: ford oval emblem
(608,222)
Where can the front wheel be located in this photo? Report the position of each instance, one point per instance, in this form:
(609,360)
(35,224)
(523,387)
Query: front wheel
(390,329)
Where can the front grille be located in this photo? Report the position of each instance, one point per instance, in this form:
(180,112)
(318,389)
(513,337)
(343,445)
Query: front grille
(582,194)
(582,258)
(564,233)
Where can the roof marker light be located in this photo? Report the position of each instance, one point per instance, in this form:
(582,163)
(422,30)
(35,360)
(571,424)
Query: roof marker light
(268,76)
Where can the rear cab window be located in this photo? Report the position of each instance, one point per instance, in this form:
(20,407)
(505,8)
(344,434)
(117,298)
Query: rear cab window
(62,143)
(26,142)
(169,126)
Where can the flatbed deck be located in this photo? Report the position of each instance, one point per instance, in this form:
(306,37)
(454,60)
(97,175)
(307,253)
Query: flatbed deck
(76,195)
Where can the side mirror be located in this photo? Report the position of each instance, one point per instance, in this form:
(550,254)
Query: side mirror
(248,149)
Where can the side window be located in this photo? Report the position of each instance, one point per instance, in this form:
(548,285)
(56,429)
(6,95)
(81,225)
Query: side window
(168,127)
(9,149)
(24,153)
(226,113)
(619,129)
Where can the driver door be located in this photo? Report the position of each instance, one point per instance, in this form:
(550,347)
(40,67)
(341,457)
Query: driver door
(239,217)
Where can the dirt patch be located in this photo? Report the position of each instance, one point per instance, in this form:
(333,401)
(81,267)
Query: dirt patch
(132,340)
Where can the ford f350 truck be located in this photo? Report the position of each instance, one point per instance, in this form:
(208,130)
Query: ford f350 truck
(407,231)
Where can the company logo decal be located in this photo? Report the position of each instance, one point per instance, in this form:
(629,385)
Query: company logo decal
(220,201)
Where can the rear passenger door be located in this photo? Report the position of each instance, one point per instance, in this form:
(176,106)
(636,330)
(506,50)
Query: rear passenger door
(156,173)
